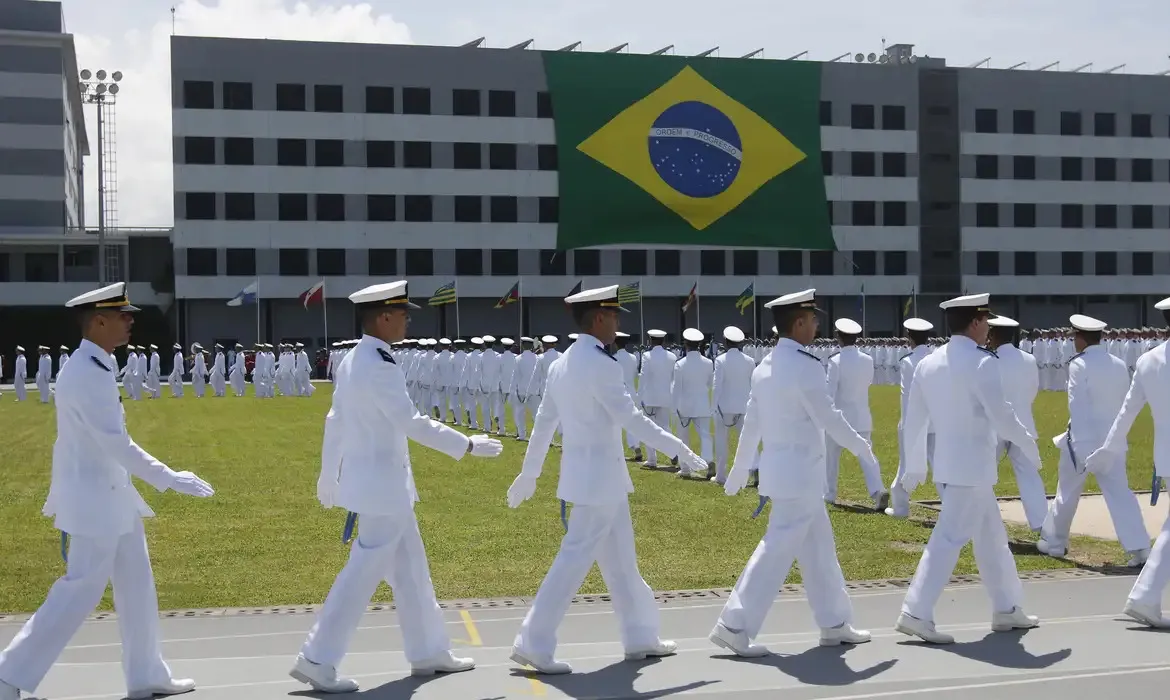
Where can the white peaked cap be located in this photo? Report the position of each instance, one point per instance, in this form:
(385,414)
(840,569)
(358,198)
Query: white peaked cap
(1086,323)
(548,339)
(655,333)
(507,341)
(693,335)
(525,339)
(445,341)
(477,340)
(176,346)
(111,297)
(1163,305)
(620,334)
(489,339)
(1003,322)
(733,334)
(848,326)
(388,293)
(969,300)
(917,324)
(572,336)
(20,348)
(459,341)
(602,296)
(774,329)
(804,299)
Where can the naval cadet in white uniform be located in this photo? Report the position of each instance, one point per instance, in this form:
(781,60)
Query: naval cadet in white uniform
(586,395)
(917,330)
(850,375)
(365,468)
(693,378)
(733,388)
(1150,384)
(654,382)
(1097,385)
(1021,382)
(957,391)
(790,413)
(99,513)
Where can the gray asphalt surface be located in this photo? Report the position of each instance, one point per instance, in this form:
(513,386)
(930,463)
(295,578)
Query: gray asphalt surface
(1083,647)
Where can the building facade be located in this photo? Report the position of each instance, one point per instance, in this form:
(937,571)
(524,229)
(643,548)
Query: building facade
(301,161)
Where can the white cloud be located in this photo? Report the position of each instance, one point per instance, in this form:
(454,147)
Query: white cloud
(144,159)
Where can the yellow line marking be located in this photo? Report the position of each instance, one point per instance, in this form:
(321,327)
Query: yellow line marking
(472,633)
(538,688)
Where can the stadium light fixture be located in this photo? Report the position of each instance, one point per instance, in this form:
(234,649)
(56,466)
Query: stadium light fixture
(474,44)
(708,52)
(100,89)
(844,55)
(571,47)
(662,50)
(618,48)
(1021,63)
(984,62)
(753,54)
(793,58)
(1050,65)
(1114,68)
(522,45)
(1080,68)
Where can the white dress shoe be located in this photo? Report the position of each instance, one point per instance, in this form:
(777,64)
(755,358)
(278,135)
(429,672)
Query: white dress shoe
(661,648)
(1138,558)
(895,514)
(546,665)
(1045,547)
(923,629)
(321,678)
(843,634)
(1014,620)
(1148,615)
(736,642)
(444,663)
(174,686)
(881,500)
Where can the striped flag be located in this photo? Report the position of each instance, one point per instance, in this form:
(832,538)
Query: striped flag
(511,297)
(443,295)
(630,293)
(746,298)
(691,297)
(313,295)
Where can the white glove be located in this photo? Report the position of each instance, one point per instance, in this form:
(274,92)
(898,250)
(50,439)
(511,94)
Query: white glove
(327,491)
(484,446)
(689,461)
(736,480)
(188,484)
(521,490)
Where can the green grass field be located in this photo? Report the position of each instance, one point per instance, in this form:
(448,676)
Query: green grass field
(263,539)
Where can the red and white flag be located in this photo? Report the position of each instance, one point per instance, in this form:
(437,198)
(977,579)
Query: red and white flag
(313,295)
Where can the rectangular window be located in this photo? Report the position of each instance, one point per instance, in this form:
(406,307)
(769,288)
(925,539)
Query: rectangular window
(1024,167)
(198,94)
(331,262)
(863,164)
(1072,216)
(1142,170)
(546,157)
(465,103)
(986,121)
(893,165)
(894,214)
(416,154)
(239,206)
(200,206)
(419,207)
(379,154)
(468,156)
(1072,263)
(1104,124)
(553,263)
(667,262)
(327,98)
(294,262)
(290,97)
(861,117)
(201,262)
(1023,121)
(469,262)
(586,262)
(864,263)
(1025,263)
(237,95)
(330,207)
(292,207)
(745,262)
(987,263)
(827,162)
(504,210)
(1070,123)
(895,263)
(893,118)
(548,210)
(826,113)
(1143,216)
(502,156)
(505,262)
(1105,169)
(1105,215)
(1024,215)
(379,99)
(544,107)
(1105,263)
(420,262)
(987,167)
(416,100)
(987,215)
(1141,126)
(865,213)
(635,263)
(1143,264)
(292,152)
(820,262)
(712,262)
(329,153)
(790,263)
(241,262)
(382,261)
(468,209)
(501,103)
(238,151)
(1071,169)
(381,207)
(199,150)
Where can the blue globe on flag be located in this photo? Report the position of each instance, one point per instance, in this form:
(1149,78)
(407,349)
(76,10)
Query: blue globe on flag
(695,149)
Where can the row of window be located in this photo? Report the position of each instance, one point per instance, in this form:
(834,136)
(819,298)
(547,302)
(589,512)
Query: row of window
(994,215)
(241,206)
(1072,263)
(384,99)
(505,262)
(331,153)
(1072,168)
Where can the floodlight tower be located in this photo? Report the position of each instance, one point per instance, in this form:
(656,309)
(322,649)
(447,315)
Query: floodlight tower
(102,90)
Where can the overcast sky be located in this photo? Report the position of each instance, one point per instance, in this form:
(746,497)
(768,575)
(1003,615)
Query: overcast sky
(132,36)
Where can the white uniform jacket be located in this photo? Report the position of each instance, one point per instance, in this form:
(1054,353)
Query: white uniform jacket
(850,376)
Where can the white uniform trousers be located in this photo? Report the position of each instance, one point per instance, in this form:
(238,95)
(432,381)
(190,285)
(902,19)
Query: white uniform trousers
(486,403)
(1155,575)
(871,472)
(199,384)
(176,384)
(498,412)
(92,564)
(153,383)
(799,529)
(722,436)
(19,387)
(43,388)
(237,381)
(661,416)
(604,534)
(467,414)
(969,514)
(899,497)
(702,426)
(519,415)
(387,547)
(217,383)
(1029,484)
(1121,501)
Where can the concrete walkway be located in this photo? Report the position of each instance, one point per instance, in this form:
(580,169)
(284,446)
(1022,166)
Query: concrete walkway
(1092,518)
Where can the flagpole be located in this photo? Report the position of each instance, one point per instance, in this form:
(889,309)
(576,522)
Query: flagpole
(325,313)
(864,331)
(914,296)
(455,286)
(520,320)
(755,316)
(698,313)
(641,312)
(257,308)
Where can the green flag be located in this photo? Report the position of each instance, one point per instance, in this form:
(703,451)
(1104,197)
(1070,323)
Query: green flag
(688,151)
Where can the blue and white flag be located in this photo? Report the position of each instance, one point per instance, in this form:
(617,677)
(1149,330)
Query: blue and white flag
(247,295)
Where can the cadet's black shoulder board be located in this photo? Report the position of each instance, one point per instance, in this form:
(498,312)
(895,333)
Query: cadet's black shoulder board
(834,354)
(386,357)
(99,363)
(605,352)
(808,354)
(905,356)
(989,351)
(1075,356)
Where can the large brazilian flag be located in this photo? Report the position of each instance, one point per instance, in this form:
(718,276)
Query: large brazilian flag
(688,151)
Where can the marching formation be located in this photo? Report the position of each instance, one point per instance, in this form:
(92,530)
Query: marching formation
(966,402)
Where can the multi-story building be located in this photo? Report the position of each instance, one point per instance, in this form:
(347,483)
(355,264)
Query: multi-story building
(300,161)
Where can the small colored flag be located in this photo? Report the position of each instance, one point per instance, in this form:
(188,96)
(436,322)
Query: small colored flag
(746,298)
(576,288)
(511,297)
(691,297)
(247,295)
(630,293)
(313,295)
(906,308)
(443,295)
